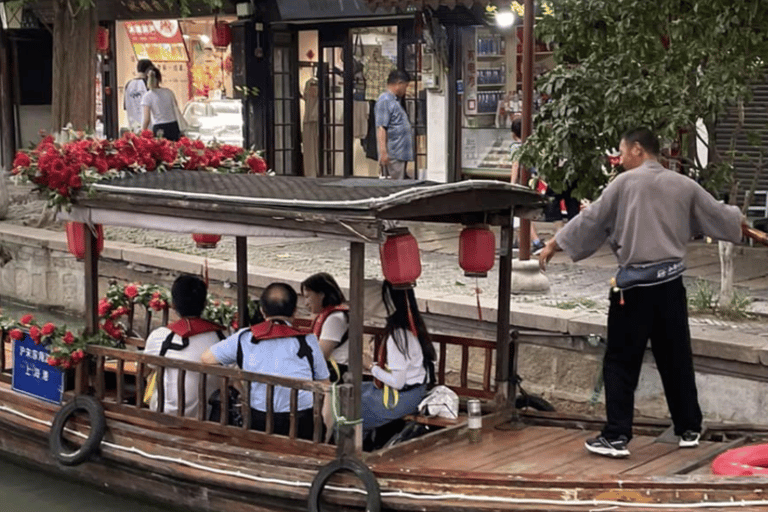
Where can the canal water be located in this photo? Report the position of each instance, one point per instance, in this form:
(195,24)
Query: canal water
(23,489)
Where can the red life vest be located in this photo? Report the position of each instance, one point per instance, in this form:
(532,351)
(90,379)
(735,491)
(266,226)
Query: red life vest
(319,320)
(185,328)
(268,330)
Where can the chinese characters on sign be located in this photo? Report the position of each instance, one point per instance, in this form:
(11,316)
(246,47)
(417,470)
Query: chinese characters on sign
(157,40)
(32,375)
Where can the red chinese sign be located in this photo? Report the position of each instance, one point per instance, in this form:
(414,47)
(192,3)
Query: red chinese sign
(157,40)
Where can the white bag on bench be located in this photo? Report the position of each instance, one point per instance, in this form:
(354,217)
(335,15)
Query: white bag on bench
(441,401)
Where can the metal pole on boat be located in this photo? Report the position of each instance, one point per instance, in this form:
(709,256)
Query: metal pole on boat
(502,319)
(91,264)
(241,255)
(350,440)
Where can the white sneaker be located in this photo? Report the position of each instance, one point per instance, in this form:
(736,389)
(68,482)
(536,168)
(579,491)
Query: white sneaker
(689,439)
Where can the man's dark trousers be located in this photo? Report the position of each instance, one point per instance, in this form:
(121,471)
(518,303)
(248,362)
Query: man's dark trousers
(658,313)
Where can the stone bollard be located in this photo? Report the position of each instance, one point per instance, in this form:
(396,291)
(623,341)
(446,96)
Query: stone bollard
(528,278)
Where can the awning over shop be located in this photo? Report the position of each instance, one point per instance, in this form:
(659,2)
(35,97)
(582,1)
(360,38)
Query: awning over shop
(296,10)
(422,4)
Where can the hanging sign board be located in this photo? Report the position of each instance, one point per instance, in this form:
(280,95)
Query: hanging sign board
(157,40)
(32,375)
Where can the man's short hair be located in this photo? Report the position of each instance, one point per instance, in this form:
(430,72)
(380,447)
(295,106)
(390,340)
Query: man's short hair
(143,65)
(645,137)
(397,76)
(278,299)
(189,294)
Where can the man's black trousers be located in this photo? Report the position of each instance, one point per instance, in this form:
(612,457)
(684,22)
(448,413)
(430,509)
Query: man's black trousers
(658,313)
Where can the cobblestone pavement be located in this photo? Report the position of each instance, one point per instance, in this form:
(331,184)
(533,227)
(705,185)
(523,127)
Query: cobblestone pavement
(572,286)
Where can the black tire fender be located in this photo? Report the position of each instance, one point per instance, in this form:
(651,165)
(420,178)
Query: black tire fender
(95,413)
(361,471)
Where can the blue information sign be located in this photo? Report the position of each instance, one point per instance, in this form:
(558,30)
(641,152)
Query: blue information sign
(32,375)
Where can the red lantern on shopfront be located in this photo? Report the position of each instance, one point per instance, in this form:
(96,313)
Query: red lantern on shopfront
(221,34)
(102,40)
(477,250)
(400,260)
(76,232)
(206,241)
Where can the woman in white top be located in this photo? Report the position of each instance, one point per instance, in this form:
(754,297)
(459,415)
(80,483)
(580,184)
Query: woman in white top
(404,362)
(325,300)
(160,108)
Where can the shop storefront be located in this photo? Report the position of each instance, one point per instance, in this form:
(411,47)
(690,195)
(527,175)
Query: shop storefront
(492,96)
(195,60)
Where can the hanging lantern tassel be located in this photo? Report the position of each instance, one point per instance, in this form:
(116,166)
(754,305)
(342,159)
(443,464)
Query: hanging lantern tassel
(477,294)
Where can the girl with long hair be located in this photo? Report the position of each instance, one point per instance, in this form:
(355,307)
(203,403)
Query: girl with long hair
(404,364)
(324,299)
(160,108)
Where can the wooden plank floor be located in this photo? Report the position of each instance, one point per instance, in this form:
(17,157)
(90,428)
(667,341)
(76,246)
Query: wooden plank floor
(556,451)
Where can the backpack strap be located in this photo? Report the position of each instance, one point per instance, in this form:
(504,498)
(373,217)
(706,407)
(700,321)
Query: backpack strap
(168,343)
(306,351)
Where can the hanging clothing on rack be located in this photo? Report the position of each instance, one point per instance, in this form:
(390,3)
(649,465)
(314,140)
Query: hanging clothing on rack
(377,69)
(311,129)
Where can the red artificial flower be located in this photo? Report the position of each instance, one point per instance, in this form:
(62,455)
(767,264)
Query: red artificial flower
(78,355)
(257,164)
(48,329)
(75,181)
(34,333)
(16,334)
(52,361)
(104,307)
(235,324)
(131,291)
(118,312)
(21,160)
(147,134)
(26,319)
(69,338)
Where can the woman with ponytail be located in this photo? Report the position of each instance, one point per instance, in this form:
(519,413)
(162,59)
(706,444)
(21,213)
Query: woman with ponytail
(404,362)
(159,104)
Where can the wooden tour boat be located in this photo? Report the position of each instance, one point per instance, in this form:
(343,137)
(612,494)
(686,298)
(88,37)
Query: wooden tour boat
(523,461)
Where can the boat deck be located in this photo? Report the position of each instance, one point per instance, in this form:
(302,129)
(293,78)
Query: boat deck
(544,450)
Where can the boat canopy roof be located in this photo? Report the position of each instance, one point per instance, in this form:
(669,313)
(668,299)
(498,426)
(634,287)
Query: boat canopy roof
(253,205)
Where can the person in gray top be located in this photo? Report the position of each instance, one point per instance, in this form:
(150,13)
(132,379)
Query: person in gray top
(393,129)
(647,214)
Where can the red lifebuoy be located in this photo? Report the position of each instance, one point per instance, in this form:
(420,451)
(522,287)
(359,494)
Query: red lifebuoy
(745,461)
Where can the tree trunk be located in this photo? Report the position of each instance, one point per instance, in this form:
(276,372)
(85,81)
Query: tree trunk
(7,129)
(725,249)
(74,66)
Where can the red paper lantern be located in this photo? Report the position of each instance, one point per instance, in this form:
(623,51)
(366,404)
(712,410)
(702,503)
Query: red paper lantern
(102,40)
(76,232)
(221,34)
(206,241)
(477,250)
(400,260)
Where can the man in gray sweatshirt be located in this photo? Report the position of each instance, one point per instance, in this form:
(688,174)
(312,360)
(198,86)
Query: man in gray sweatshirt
(647,215)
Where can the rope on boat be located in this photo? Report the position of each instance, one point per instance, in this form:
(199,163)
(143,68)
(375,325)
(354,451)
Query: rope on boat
(413,496)
(339,420)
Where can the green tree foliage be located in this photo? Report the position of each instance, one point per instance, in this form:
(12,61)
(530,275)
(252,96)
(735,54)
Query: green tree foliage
(624,63)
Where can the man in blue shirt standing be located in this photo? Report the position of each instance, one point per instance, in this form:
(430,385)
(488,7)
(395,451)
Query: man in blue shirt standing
(274,347)
(393,129)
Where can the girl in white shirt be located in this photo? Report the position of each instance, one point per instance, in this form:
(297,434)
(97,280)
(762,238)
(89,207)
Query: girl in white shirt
(404,362)
(326,301)
(159,104)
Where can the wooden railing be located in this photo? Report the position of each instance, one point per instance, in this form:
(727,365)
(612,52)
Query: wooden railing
(117,399)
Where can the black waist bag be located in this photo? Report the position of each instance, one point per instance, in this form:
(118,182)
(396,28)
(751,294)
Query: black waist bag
(234,409)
